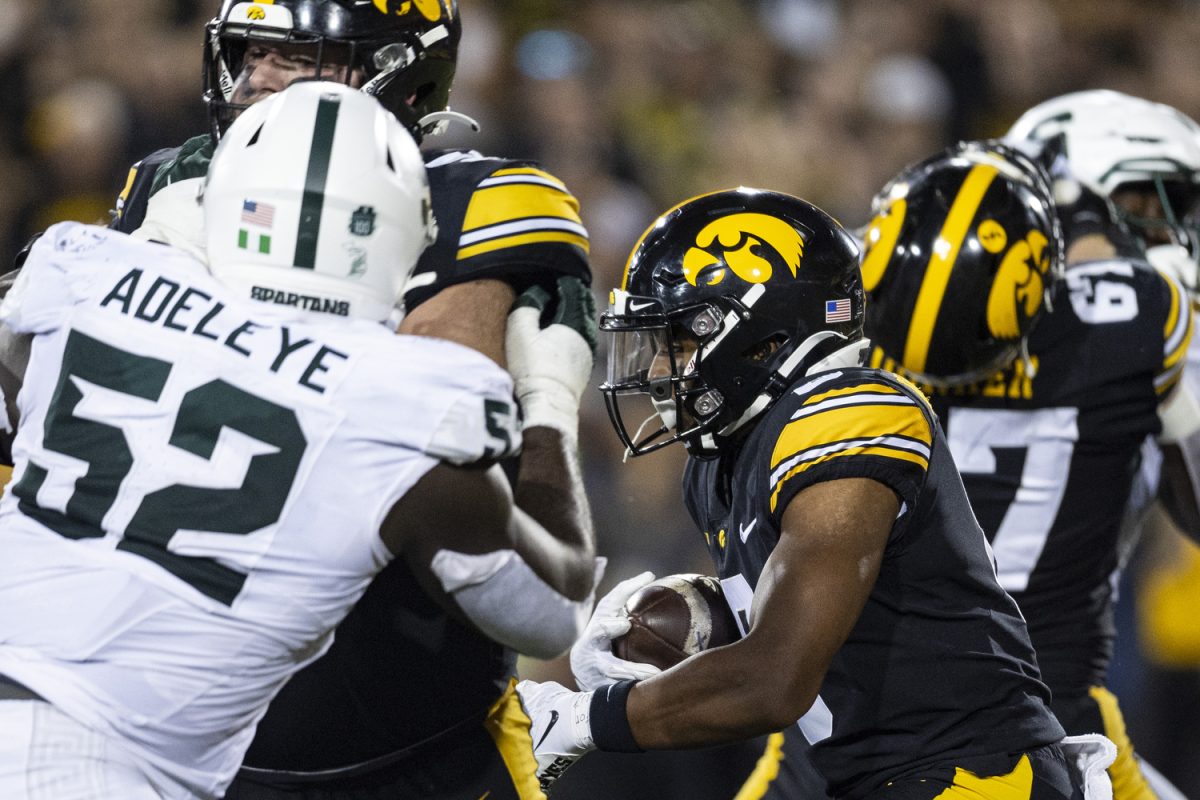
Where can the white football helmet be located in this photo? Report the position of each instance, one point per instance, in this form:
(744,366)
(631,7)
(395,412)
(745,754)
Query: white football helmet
(317,198)
(1110,140)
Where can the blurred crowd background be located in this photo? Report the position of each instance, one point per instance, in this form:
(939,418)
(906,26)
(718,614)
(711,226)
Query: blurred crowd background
(638,105)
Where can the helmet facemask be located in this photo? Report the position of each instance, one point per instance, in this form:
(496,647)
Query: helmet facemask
(654,374)
(1161,212)
(406,62)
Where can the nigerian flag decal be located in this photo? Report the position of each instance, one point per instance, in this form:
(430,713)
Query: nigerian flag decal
(264,241)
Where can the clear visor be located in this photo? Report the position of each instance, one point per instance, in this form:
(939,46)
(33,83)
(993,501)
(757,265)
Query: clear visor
(638,356)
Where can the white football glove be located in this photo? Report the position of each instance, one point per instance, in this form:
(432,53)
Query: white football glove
(592,659)
(559,725)
(551,365)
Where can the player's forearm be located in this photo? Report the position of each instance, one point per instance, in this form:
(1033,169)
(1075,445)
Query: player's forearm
(713,698)
(550,491)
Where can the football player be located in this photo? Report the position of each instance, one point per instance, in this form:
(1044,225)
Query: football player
(410,697)
(1129,171)
(1047,388)
(208,473)
(836,521)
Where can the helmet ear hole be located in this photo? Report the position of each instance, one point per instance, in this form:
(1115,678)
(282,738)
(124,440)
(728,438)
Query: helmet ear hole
(763,349)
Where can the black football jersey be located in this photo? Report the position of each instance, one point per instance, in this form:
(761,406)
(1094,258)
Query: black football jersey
(939,665)
(1050,460)
(369,696)
(497,217)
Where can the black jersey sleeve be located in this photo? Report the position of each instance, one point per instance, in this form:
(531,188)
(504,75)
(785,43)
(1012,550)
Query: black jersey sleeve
(863,423)
(498,218)
(1176,332)
(159,169)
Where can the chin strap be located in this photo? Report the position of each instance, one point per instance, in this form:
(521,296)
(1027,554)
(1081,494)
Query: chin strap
(438,122)
(853,354)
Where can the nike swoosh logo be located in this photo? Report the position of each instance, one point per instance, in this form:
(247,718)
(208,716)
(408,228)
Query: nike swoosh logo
(744,530)
(640,306)
(553,722)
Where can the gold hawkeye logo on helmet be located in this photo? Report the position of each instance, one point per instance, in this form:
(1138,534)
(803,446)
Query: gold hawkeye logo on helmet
(742,243)
(1018,286)
(430,9)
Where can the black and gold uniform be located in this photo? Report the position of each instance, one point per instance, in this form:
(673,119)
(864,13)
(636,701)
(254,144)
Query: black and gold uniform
(409,702)
(937,678)
(1052,435)
(1051,463)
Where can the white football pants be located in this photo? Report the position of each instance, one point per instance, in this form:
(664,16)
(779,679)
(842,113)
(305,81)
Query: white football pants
(46,755)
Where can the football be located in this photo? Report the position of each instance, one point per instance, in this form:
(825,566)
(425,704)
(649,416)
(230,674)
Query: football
(675,617)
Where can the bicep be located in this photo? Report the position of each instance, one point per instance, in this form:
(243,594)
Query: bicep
(466,509)
(820,574)
(473,314)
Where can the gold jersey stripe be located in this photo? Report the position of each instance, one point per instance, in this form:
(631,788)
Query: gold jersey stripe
(1179,306)
(503,173)
(537,237)
(941,264)
(1125,772)
(871,450)
(1174,313)
(834,425)
(765,771)
(1163,389)
(5,474)
(509,727)
(511,202)
(918,396)
(877,388)
(1178,352)
(124,195)
(1016,785)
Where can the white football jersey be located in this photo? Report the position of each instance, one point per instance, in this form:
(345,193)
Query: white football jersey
(199,486)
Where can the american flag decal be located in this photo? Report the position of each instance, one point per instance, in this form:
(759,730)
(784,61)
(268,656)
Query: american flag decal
(837,310)
(259,214)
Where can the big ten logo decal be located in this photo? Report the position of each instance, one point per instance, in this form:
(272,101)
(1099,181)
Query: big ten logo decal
(749,245)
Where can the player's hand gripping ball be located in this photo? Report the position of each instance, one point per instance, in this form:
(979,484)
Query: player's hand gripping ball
(673,618)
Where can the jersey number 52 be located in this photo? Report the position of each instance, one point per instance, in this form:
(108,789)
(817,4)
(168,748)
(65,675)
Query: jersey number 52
(104,449)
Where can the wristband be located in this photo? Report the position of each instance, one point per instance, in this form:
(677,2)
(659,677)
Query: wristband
(610,719)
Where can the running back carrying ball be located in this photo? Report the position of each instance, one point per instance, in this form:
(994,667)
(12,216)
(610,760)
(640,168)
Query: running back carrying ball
(675,617)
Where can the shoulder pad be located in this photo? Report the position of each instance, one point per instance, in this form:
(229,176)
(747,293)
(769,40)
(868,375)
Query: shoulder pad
(504,219)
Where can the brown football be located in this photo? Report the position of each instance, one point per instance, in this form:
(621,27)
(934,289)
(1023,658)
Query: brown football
(675,617)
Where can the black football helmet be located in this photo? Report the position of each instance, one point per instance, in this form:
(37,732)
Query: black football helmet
(764,284)
(407,49)
(959,262)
